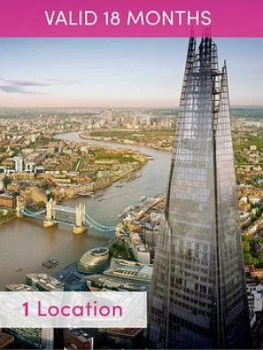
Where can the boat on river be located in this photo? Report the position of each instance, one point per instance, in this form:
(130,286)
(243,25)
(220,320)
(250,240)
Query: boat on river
(126,211)
(50,263)
(86,194)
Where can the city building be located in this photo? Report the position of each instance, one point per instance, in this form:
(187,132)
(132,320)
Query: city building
(109,115)
(3,169)
(76,338)
(20,287)
(103,282)
(125,338)
(255,303)
(38,338)
(44,282)
(130,270)
(94,261)
(140,250)
(30,167)
(74,283)
(39,169)
(6,340)
(19,164)
(198,298)
(7,200)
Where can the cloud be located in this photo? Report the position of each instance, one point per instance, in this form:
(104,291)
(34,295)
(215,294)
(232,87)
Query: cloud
(19,90)
(12,89)
(25,83)
(21,86)
(56,82)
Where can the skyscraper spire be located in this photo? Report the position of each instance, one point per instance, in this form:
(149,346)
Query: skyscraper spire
(198,297)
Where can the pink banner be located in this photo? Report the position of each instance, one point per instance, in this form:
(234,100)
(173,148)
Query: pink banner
(130,18)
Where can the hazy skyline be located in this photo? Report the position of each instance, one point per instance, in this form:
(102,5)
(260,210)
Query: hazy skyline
(116,72)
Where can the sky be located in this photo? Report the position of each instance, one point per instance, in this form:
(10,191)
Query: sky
(111,72)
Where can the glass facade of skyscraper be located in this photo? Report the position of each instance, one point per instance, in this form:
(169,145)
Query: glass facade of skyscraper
(198,298)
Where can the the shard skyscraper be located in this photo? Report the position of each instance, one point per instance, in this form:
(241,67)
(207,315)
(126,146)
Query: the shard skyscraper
(198,297)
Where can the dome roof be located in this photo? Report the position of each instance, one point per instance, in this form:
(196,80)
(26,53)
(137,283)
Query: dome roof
(94,260)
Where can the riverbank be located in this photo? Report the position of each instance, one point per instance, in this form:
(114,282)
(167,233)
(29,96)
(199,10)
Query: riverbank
(104,186)
(113,164)
(106,139)
(7,220)
(127,176)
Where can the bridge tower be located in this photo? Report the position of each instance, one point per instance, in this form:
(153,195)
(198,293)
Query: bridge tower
(80,226)
(49,220)
(19,206)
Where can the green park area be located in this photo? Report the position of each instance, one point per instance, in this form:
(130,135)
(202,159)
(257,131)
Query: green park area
(253,250)
(6,215)
(121,250)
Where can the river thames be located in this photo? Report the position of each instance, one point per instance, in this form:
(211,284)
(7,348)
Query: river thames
(25,244)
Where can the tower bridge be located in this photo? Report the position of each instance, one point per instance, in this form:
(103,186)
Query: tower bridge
(55,214)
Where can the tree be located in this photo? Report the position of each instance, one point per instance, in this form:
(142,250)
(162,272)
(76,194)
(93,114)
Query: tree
(245,238)
(260,259)
(6,181)
(253,218)
(246,247)
(16,151)
(259,239)
(249,260)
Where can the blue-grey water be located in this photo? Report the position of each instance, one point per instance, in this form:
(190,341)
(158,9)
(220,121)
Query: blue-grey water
(25,244)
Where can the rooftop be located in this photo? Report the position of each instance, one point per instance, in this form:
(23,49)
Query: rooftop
(79,333)
(7,195)
(47,282)
(99,251)
(20,288)
(130,332)
(5,340)
(130,269)
(112,283)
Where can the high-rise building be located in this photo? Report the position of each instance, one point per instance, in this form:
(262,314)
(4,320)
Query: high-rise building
(19,162)
(198,298)
(109,115)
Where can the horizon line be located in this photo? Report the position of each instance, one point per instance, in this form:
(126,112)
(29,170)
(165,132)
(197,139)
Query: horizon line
(116,107)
